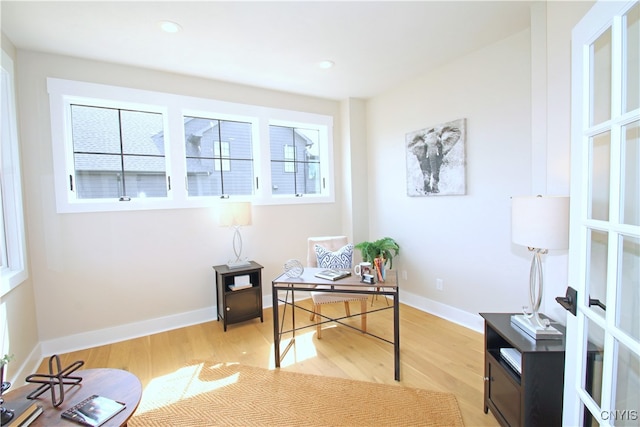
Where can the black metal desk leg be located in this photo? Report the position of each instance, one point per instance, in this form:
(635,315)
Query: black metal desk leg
(396,333)
(276,324)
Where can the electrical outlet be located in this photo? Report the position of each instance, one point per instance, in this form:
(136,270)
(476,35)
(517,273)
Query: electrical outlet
(439,284)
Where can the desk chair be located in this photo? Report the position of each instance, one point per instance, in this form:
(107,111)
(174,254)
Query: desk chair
(319,298)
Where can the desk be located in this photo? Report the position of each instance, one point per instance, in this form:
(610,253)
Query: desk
(116,384)
(308,282)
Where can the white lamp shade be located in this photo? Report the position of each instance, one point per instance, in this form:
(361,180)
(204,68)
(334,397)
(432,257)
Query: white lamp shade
(540,222)
(235,213)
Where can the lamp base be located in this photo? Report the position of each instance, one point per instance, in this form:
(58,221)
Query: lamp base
(238,264)
(535,331)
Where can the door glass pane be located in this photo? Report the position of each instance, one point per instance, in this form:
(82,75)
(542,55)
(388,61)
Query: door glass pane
(629,290)
(600,168)
(630,176)
(595,356)
(597,274)
(601,78)
(627,387)
(632,54)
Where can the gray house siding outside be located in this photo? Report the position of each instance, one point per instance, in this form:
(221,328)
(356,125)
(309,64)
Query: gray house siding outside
(121,153)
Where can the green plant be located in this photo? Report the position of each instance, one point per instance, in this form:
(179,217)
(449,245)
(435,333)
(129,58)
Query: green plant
(5,359)
(385,248)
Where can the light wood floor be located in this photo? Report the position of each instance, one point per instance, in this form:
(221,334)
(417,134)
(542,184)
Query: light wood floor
(434,354)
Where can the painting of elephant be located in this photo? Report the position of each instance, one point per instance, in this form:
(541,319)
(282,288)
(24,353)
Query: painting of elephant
(435,160)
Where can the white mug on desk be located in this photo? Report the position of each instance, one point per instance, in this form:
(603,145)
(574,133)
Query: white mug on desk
(362,268)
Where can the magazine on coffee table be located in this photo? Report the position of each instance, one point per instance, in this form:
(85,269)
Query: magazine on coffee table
(93,411)
(333,274)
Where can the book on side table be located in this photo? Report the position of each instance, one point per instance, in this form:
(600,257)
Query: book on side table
(24,414)
(93,411)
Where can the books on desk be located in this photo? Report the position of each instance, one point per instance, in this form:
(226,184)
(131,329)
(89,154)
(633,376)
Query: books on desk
(93,411)
(24,412)
(333,274)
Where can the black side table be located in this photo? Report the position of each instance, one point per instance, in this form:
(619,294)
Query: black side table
(533,396)
(242,304)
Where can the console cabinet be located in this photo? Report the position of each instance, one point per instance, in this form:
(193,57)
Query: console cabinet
(532,397)
(236,306)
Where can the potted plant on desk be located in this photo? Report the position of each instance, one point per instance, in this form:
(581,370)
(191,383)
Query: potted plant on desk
(379,253)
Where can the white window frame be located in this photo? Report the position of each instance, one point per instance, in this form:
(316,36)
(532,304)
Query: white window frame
(14,266)
(174,108)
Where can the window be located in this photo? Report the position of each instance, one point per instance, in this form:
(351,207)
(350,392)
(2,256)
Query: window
(295,160)
(13,267)
(219,157)
(116,148)
(117,153)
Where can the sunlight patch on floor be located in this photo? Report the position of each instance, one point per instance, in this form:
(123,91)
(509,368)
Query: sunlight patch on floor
(304,348)
(181,384)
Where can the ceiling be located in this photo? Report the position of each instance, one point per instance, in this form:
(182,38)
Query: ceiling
(375,45)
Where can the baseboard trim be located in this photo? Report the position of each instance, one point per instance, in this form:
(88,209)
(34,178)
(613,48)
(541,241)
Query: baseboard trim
(125,332)
(152,326)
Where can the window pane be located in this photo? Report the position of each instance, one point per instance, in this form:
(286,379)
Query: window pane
(3,239)
(601,78)
(597,274)
(219,157)
(103,141)
(599,180)
(630,176)
(595,356)
(628,289)
(95,130)
(627,387)
(239,179)
(295,160)
(144,176)
(98,176)
(632,59)
(142,133)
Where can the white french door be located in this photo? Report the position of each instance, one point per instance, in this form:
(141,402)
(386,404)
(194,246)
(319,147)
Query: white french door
(602,371)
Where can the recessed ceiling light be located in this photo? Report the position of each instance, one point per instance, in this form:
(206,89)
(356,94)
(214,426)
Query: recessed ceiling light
(169,27)
(326,64)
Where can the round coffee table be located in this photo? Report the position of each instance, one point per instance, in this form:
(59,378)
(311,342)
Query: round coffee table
(116,384)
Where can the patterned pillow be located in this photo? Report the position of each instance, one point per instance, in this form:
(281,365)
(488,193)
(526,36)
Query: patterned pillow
(340,259)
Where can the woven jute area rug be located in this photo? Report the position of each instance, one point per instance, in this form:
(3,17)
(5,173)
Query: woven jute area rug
(206,393)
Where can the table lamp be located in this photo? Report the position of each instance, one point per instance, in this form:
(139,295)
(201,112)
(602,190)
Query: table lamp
(540,223)
(236,214)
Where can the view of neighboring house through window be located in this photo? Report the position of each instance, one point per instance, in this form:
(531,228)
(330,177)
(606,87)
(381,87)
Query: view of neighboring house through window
(295,160)
(219,157)
(120,149)
(118,153)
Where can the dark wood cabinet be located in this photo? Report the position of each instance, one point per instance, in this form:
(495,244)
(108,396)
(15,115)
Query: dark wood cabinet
(243,304)
(533,396)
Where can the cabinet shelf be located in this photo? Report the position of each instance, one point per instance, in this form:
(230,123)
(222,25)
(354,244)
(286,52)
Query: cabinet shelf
(508,368)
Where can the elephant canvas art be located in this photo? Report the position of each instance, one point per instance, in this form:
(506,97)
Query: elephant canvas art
(436,161)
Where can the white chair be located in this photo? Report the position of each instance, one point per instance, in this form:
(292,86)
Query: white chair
(319,298)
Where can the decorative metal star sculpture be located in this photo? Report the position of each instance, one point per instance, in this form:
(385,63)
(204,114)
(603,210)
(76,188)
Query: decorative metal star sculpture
(60,379)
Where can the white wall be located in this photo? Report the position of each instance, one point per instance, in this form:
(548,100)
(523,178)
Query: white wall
(112,275)
(464,240)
